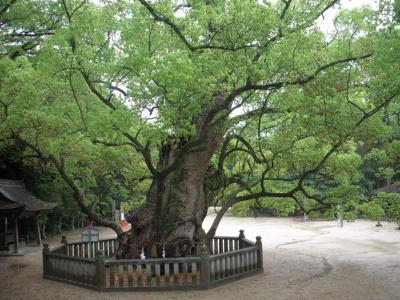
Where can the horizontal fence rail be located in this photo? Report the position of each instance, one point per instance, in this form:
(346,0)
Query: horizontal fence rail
(91,264)
(153,273)
(70,269)
(227,265)
(88,249)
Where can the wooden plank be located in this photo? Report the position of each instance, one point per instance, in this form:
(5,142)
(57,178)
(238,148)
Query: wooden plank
(185,274)
(230,242)
(148,273)
(105,249)
(224,266)
(255,259)
(79,271)
(244,256)
(236,244)
(72,269)
(121,275)
(92,272)
(60,267)
(241,259)
(235,264)
(56,266)
(252,253)
(92,251)
(89,252)
(176,274)
(217,269)
(130,276)
(212,270)
(76,270)
(158,274)
(220,246)
(215,249)
(110,252)
(139,275)
(166,274)
(227,266)
(194,273)
(84,272)
(230,263)
(247,261)
(112,277)
(67,272)
(86,245)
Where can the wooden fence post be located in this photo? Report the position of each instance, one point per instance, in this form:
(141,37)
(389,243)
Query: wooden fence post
(100,270)
(45,251)
(260,264)
(205,266)
(241,236)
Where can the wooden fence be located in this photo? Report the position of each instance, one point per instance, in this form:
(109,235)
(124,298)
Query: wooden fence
(90,264)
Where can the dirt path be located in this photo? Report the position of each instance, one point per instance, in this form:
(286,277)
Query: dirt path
(314,260)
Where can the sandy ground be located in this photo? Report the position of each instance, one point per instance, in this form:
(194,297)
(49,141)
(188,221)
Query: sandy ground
(313,260)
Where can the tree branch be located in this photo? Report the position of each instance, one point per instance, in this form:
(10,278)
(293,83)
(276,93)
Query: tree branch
(78,193)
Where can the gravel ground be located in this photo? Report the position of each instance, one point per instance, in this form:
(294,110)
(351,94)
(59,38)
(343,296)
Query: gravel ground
(313,260)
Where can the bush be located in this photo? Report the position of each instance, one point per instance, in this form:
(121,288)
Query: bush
(281,207)
(390,202)
(242,209)
(372,211)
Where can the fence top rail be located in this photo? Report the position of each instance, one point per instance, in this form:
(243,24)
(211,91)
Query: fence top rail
(100,240)
(57,248)
(152,260)
(63,256)
(248,241)
(226,237)
(234,252)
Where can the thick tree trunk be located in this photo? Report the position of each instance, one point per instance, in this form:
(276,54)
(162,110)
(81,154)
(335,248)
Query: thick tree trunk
(176,204)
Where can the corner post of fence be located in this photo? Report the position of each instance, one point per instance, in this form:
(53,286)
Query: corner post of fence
(259,253)
(241,237)
(100,270)
(64,241)
(205,266)
(45,252)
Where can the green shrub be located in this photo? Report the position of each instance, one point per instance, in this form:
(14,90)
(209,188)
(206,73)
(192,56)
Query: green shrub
(281,207)
(242,209)
(372,211)
(390,202)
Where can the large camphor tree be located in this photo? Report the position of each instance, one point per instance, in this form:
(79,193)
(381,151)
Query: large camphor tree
(216,102)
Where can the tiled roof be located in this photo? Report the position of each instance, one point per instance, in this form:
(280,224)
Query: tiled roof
(14,191)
